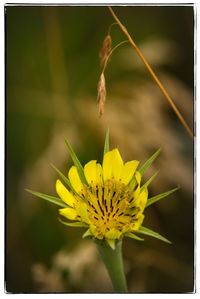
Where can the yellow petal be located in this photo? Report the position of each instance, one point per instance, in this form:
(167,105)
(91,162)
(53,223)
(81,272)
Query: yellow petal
(69,213)
(64,194)
(142,199)
(128,171)
(112,165)
(107,170)
(90,172)
(95,232)
(136,193)
(99,174)
(138,177)
(113,234)
(75,179)
(117,164)
(138,223)
(81,209)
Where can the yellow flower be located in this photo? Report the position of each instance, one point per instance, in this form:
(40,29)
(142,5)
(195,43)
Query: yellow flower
(109,205)
(108,199)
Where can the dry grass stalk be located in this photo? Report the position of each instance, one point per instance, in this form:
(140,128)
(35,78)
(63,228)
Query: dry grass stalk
(101,96)
(105,50)
(160,85)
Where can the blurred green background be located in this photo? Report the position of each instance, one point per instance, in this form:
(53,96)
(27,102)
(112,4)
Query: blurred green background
(52,70)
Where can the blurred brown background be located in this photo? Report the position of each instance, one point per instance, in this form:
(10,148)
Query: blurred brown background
(52,70)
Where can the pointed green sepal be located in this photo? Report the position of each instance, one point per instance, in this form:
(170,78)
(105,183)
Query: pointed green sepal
(149,162)
(132,183)
(133,236)
(77,163)
(106,144)
(149,180)
(72,224)
(111,243)
(55,200)
(160,196)
(151,233)
(64,178)
(87,233)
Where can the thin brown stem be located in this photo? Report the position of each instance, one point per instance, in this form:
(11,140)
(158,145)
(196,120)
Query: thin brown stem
(106,62)
(160,85)
(110,27)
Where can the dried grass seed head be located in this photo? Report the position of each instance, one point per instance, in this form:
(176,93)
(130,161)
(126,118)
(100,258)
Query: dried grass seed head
(101,96)
(105,50)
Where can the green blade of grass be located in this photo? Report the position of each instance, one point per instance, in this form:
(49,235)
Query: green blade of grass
(111,243)
(158,197)
(106,144)
(77,163)
(55,200)
(65,179)
(151,233)
(133,236)
(72,224)
(149,162)
(149,180)
(86,234)
(132,183)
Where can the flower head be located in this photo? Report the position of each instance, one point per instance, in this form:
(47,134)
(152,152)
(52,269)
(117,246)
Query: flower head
(111,203)
(108,199)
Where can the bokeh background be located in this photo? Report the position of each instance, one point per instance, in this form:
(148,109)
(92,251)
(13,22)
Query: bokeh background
(52,70)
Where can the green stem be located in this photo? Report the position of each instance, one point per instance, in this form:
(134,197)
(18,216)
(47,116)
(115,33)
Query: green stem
(112,259)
